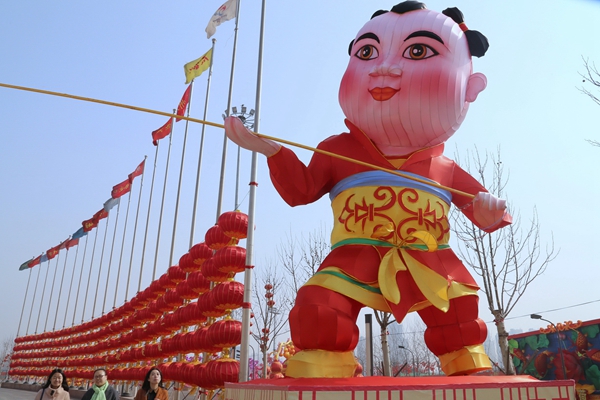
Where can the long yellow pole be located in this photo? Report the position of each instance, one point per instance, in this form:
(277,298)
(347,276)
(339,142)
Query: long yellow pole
(275,139)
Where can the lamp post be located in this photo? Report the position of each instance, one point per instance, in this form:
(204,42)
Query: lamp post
(561,344)
(413,357)
(253,359)
(247,118)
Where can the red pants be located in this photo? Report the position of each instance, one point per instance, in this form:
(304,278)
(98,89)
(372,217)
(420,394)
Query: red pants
(326,320)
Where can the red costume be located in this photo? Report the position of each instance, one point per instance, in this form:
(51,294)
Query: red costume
(324,316)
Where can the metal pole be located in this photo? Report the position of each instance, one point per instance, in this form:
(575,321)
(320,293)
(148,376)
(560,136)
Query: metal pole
(121,254)
(196,192)
(80,277)
(148,218)
(24,300)
(185,134)
(135,230)
(51,291)
(71,286)
(112,247)
(369,345)
(102,258)
(60,289)
(34,293)
(90,274)
(224,156)
(251,214)
(42,299)
(162,204)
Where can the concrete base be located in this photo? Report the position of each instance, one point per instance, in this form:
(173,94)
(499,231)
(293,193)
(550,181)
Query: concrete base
(405,388)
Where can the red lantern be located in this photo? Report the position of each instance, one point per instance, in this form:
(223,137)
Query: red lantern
(223,370)
(200,252)
(234,224)
(156,288)
(230,259)
(187,264)
(225,333)
(166,282)
(185,292)
(191,315)
(207,305)
(210,272)
(216,239)
(198,283)
(172,298)
(200,342)
(228,295)
(176,274)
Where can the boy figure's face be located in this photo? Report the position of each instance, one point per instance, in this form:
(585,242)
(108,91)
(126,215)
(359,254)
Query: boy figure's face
(409,80)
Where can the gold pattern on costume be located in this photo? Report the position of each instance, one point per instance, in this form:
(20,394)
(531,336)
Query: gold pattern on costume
(390,214)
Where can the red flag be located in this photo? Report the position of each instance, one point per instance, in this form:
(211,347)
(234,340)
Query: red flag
(71,243)
(138,171)
(100,215)
(51,253)
(63,245)
(185,100)
(89,224)
(35,261)
(162,132)
(121,189)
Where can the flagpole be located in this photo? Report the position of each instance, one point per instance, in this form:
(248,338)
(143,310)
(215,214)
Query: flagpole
(24,300)
(60,289)
(51,291)
(137,214)
(90,274)
(121,255)
(101,259)
(225,140)
(71,286)
(148,218)
(162,204)
(243,377)
(80,278)
(112,247)
(201,149)
(34,293)
(181,175)
(42,299)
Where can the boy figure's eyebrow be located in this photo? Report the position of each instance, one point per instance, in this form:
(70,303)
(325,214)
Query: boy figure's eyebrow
(428,34)
(368,35)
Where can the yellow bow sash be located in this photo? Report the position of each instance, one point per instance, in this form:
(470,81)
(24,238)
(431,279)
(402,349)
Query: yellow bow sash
(433,286)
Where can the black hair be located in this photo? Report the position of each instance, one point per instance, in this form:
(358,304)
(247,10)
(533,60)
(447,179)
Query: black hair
(478,43)
(65,384)
(146,383)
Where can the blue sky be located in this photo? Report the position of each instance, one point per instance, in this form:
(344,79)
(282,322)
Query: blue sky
(59,158)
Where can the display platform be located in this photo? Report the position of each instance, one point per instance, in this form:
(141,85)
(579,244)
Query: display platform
(520,387)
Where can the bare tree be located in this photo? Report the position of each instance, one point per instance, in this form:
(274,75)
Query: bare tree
(301,257)
(270,311)
(384,320)
(592,76)
(6,348)
(508,260)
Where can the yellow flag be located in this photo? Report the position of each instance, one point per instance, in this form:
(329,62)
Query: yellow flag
(195,68)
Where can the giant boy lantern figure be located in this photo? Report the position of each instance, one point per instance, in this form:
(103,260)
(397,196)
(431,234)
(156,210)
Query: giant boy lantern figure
(406,90)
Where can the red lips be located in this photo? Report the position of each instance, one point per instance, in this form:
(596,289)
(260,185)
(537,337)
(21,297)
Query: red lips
(383,94)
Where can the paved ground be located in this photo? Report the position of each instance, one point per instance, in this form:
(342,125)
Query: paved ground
(14,394)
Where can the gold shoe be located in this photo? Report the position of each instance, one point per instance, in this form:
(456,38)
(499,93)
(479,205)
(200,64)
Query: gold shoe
(321,364)
(468,360)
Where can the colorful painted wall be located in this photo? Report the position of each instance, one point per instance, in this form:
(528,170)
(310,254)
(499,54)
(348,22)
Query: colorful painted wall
(538,353)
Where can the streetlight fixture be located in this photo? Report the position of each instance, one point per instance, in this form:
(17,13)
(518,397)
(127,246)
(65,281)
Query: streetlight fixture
(561,344)
(413,357)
